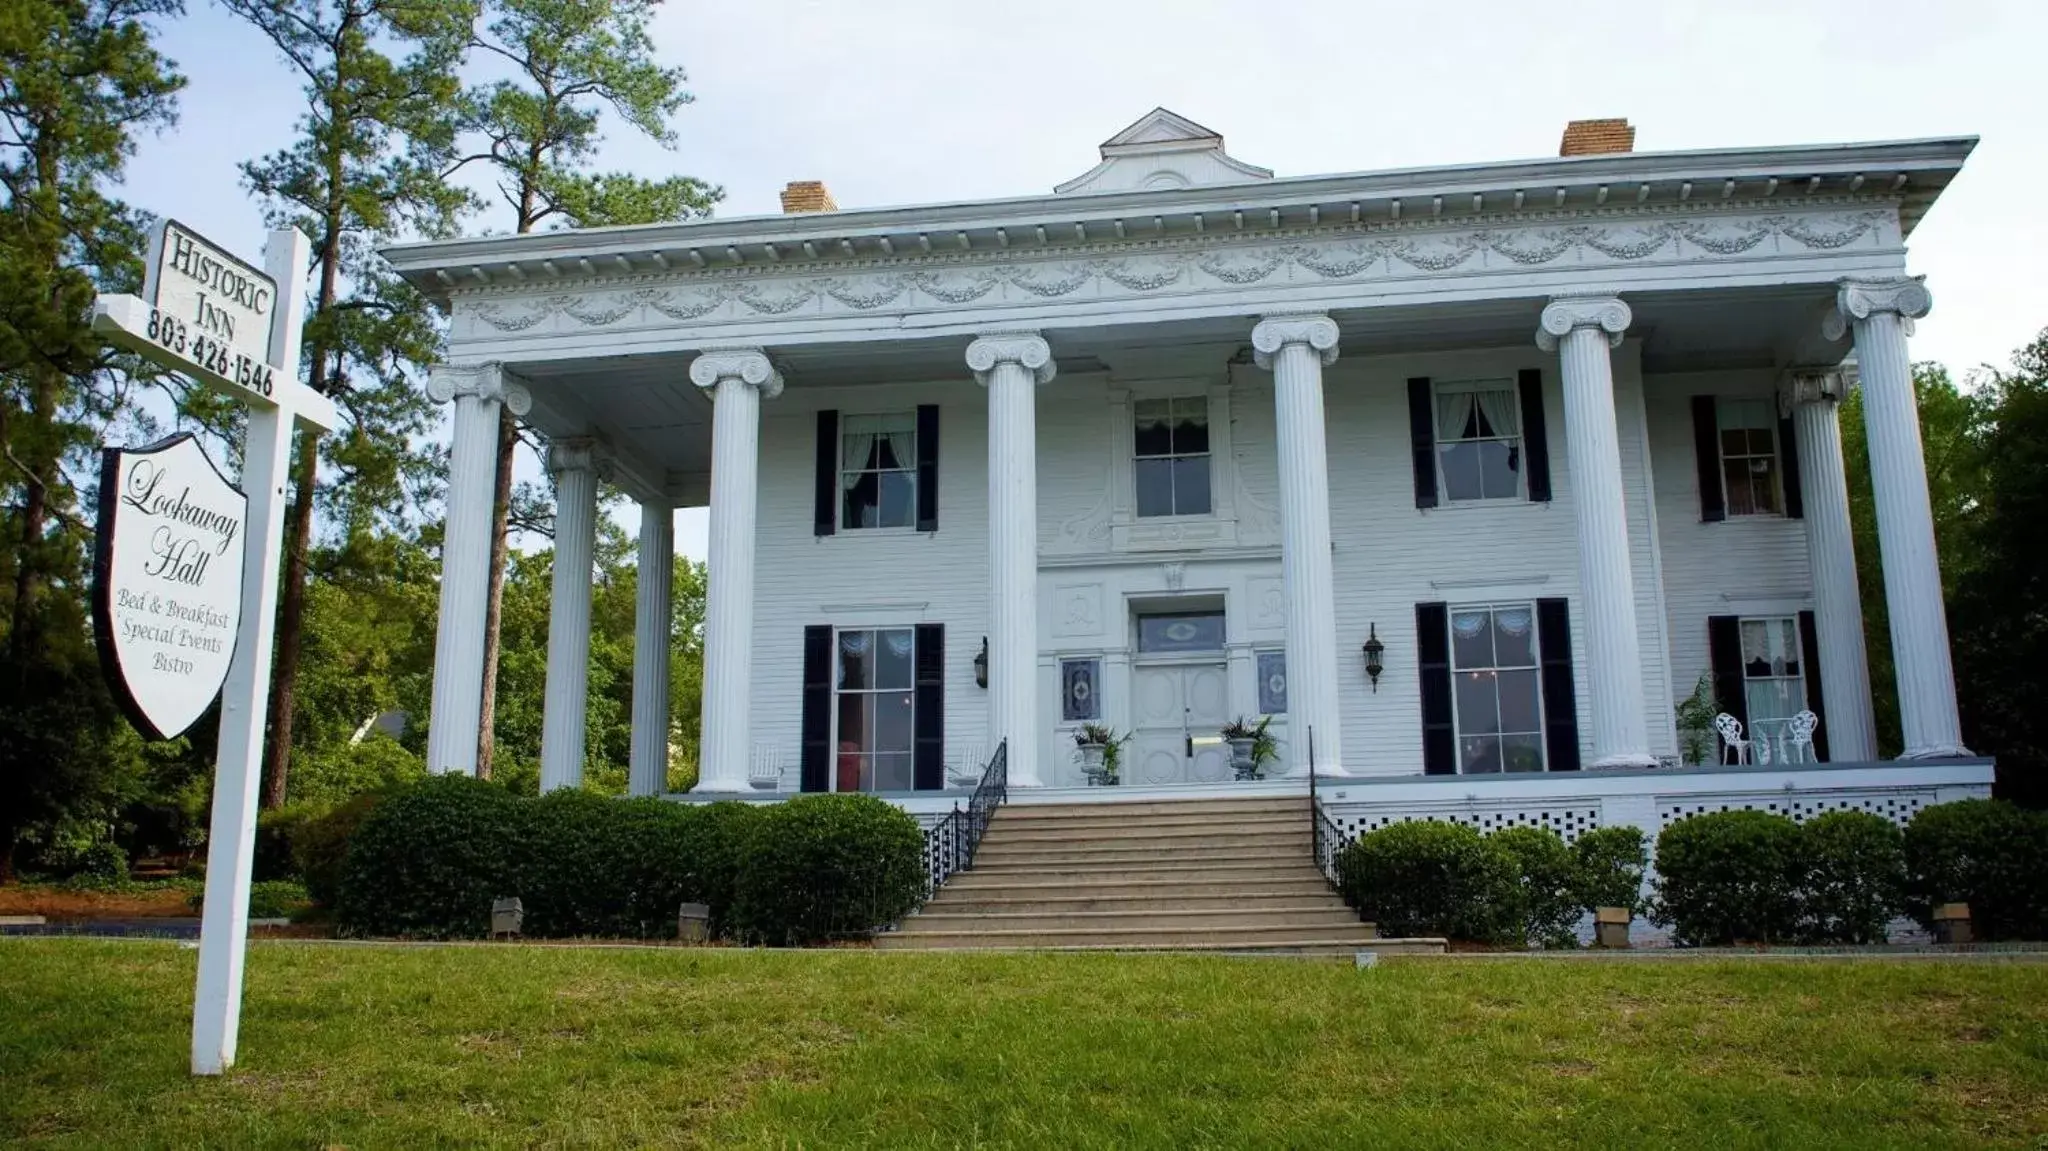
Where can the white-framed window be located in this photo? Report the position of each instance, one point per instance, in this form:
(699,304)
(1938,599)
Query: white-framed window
(1170,456)
(1168,632)
(1479,440)
(878,471)
(1080,690)
(1272,671)
(1750,473)
(875,712)
(1773,674)
(1496,691)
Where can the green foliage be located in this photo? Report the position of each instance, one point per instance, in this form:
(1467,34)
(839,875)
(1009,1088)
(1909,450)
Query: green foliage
(1730,877)
(1422,877)
(320,846)
(1547,884)
(1610,862)
(90,859)
(1695,714)
(1855,877)
(570,864)
(708,855)
(276,830)
(268,899)
(822,867)
(429,860)
(1989,854)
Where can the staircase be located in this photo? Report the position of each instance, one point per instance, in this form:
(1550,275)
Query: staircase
(1207,875)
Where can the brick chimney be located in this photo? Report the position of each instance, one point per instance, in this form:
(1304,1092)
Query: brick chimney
(1581,138)
(809,196)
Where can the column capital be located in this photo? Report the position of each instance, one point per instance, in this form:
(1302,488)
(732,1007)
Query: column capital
(445,382)
(1814,385)
(576,454)
(1855,299)
(1566,314)
(1027,349)
(748,365)
(1273,333)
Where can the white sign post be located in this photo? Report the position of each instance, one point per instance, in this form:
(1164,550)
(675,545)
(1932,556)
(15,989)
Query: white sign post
(198,321)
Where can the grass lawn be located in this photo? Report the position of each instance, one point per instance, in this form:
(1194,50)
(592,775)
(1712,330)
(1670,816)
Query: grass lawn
(383,1047)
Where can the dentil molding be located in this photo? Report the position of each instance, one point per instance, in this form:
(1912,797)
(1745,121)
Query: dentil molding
(1566,314)
(484,381)
(747,365)
(1273,333)
(1905,297)
(1026,349)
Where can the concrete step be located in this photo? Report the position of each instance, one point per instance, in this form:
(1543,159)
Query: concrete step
(1286,881)
(1355,934)
(1184,898)
(1217,871)
(1297,947)
(1202,842)
(1083,856)
(1112,826)
(1297,918)
(1151,807)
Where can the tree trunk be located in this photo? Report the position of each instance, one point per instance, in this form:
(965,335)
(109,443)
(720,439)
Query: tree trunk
(501,516)
(35,517)
(291,610)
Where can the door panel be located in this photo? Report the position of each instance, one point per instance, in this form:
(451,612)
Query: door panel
(1171,704)
(1208,702)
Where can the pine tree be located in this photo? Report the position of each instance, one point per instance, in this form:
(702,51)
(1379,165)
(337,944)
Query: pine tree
(571,61)
(369,164)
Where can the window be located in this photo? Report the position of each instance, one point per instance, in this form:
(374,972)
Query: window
(1272,682)
(1773,683)
(1499,712)
(1171,456)
(1479,440)
(1080,690)
(1193,631)
(1749,456)
(878,471)
(876,706)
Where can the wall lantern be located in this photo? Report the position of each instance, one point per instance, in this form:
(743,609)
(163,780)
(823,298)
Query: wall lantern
(1374,649)
(981,665)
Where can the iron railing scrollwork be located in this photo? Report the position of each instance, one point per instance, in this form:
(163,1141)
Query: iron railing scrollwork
(1328,838)
(951,842)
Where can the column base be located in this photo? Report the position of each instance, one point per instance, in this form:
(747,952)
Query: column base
(1624,759)
(722,787)
(1323,771)
(1945,751)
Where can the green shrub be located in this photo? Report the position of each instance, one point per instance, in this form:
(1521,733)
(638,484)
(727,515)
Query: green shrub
(320,846)
(1546,901)
(1610,862)
(567,867)
(1421,877)
(275,831)
(1730,876)
(824,866)
(704,859)
(429,860)
(1986,853)
(1855,877)
(268,899)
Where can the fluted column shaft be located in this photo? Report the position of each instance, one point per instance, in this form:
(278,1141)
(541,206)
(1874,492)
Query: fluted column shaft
(574,468)
(1880,312)
(1831,553)
(477,393)
(648,770)
(737,379)
(1011,365)
(1295,348)
(1583,331)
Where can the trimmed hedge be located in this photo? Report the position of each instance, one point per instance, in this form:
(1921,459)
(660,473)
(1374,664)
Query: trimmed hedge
(1547,906)
(1986,853)
(1855,877)
(824,866)
(1423,877)
(430,859)
(1611,862)
(1730,876)
(319,846)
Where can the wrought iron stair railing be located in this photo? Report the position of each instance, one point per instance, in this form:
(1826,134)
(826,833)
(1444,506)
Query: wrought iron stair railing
(949,844)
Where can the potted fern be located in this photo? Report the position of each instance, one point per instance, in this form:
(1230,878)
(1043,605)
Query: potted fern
(1695,715)
(1101,753)
(1251,746)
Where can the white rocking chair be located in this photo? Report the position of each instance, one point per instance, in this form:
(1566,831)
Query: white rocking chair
(1799,736)
(1729,729)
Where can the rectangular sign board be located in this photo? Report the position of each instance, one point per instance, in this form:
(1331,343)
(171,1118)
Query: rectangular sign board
(210,294)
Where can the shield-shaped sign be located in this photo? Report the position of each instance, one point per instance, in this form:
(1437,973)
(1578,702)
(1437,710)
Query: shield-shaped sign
(167,581)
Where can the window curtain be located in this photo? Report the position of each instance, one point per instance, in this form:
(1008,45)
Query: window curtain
(1498,409)
(859,446)
(1454,412)
(876,442)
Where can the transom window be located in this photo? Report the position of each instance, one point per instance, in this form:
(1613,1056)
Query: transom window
(876,710)
(1189,631)
(1773,677)
(878,471)
(1495,692)
(1479,440)
(1171,456)
(1749,456)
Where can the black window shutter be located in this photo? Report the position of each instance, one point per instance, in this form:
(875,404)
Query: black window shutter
(928,759)
(1706,448)
(825,516)
(1422,433)
(1560,705)
(1535,437)
(1433,663)
(817,722)
(1809,657)
(1724,650)
(927,468)
(1788,463)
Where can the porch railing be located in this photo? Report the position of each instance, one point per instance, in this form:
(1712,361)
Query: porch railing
(950,843)
(1327,837)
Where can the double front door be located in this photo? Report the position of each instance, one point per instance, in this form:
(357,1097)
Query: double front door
(1177,710)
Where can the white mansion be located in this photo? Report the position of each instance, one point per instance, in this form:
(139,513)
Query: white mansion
(1174,443)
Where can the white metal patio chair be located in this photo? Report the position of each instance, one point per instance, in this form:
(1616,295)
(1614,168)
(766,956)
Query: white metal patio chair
(1729,729)
(1799,737)
(764,772)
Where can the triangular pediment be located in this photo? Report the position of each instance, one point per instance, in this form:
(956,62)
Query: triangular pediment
(1160,126)
(1163,150)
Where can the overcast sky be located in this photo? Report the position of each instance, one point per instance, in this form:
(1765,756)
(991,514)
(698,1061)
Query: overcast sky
(914,101)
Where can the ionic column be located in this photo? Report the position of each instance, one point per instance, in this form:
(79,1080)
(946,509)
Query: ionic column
(1582,330)
(1296,348)
(1813,395)
(573,464)
(737,379)
(1011,365)
(1881,314)
(477,392)
(648,771)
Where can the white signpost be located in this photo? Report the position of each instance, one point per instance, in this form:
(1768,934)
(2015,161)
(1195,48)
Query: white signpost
(234,329)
